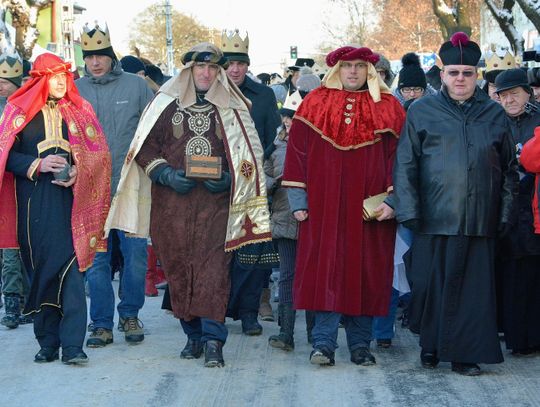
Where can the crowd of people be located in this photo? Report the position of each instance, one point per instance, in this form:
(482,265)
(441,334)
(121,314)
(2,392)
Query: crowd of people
(365,188)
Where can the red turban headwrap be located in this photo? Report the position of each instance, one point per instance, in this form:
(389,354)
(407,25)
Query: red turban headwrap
(32,96)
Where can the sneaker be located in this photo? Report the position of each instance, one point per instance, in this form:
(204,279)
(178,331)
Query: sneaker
(363,357)
(133,330)
(99,338)
(322,357)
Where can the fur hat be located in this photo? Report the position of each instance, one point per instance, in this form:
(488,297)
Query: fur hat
(411,74)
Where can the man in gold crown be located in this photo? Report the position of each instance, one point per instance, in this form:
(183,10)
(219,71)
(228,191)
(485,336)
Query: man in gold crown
(248,297)
(494,66)
(118,99)
(14,279)
(200,213)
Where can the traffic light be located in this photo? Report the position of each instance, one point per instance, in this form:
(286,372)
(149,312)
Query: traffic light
(294,52)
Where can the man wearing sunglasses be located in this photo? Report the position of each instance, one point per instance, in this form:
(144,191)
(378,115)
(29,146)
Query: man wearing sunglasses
(455,180)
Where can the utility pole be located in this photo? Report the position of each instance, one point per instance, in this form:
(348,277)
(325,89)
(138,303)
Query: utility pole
(168,25)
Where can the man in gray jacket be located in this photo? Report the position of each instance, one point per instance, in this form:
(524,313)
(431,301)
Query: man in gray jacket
(118,99)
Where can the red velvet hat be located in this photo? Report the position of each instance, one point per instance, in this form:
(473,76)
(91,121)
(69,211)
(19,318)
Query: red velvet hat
(349,53)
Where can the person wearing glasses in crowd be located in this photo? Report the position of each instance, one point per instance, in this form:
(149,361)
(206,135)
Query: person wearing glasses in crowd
(412,83)
(455,179)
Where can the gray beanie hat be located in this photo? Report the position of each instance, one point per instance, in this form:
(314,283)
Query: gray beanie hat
(306,83)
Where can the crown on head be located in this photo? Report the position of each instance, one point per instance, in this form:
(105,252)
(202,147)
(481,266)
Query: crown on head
(10,67)
(494,62)
(234,43)
(293,101)
(93,39)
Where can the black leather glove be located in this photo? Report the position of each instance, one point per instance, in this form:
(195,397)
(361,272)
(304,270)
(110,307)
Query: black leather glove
(219,185)
(175,179)
(412,224)
(504,229)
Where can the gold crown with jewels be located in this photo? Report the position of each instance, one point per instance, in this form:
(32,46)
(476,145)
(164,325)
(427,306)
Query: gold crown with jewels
(494,62)
(99,39)
(232,42)
(10,67)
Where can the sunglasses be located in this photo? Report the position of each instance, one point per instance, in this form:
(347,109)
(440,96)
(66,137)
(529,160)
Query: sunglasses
(466,74)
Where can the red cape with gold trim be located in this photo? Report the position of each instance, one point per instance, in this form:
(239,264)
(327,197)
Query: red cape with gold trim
(341,150)
(91,191)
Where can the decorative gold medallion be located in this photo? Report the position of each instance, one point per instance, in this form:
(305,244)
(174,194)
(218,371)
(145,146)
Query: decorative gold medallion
(93,242)
(18,120)
(91,131)
(247,169)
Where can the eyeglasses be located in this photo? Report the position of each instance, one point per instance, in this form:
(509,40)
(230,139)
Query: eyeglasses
(416,89)
(466,74)
(348,65)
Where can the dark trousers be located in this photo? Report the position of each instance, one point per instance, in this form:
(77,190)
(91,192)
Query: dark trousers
(287,261)
(204,329)
(249,295)
(52,329)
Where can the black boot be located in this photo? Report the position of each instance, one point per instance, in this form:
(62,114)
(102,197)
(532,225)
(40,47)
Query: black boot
(192,350)
(46,355)
(284,340)
(213,354)
(310,323)
(13,311)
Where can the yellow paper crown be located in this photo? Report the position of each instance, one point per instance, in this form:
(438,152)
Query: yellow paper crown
(293,101)
(234,43)
(494,62)
(100,39)
(10,67)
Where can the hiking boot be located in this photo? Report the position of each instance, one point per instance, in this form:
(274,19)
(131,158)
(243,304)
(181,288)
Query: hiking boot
(99,338)
(213,354)
(322,356)
(362,356)
(133,330)
(46,355)
(250,326)
(192,350)
(284,340)
(265,309)
(74,356)
(13,311)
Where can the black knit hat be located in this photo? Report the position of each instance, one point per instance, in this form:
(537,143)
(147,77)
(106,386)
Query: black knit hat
(132,64)
(460,50)
(411,75)
(512,78)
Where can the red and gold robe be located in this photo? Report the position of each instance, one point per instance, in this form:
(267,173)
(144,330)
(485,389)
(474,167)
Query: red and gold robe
(341,150)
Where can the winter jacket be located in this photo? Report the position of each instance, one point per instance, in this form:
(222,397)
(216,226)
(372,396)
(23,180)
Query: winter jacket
(283,223)
(118,98)
(263,112)
(455,170)
(530,159)
(522,241)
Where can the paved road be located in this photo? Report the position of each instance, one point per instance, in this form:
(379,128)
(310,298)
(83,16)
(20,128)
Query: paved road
(152,374)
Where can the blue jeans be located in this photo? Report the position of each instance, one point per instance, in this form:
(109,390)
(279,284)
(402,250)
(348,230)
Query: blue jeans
(325,331)
(204,329)
(383,327)
(131,283)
